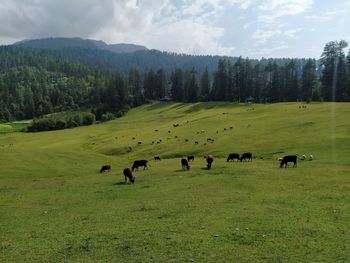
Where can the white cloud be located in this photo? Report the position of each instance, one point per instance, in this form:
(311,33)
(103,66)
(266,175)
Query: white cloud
(262,36)
(291,33)
(243,4)
(272,10)
(328,15)
(164,26)
(187,26)
(266,52)
(286,7)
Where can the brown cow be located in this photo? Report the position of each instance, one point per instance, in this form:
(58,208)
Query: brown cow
(128,175)
(210,160)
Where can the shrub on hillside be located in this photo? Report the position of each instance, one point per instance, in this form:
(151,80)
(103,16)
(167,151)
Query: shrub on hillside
(88,119)
(62,120)
(107,116)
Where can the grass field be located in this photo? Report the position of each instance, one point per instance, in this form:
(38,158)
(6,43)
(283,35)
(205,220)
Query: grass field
(56,207)
(13,126)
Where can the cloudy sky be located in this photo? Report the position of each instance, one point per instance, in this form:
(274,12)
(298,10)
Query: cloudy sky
(251,28)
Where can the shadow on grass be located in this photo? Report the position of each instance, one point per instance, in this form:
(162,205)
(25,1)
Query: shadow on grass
(121,183)
(180,170)
(208,105)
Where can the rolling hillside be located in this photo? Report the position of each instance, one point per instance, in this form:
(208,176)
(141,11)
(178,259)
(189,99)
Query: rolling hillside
(55,206)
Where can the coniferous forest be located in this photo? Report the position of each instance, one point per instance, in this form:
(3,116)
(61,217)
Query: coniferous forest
(35,82)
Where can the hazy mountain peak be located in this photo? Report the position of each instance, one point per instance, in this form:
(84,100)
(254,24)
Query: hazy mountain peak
(61,42)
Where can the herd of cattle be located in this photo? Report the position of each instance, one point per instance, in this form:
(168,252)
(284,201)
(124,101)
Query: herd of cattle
(209,159)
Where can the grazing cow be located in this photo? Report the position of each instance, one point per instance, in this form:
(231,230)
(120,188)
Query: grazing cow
(169,131)
(152,142)
(184,164)
(160,140)
(289,159)
(157,158)
(224,129)
(186,140)
(196,142)
(303,157)
(175,125)
(133,138)
(231,128)
(155,130)
(311,157)
(233,156)
(190,158)
(246,156)
(139,143)
(105,168)
(128,175)
(139,163)
(210,160)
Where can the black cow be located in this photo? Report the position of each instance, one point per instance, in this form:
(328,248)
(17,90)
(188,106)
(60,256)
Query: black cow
(190,158)
(289,159)
(184,164)
(157,158)
(105,168)
(128,175)
(233,156)
(246,156)
(210,160)
(139,163)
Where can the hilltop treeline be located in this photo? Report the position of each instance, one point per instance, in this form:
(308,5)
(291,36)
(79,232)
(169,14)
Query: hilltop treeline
(37,82)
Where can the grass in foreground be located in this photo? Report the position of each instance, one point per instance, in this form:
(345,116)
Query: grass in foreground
(56,207)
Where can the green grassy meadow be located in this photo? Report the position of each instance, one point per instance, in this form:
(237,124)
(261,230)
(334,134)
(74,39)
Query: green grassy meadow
(56,207)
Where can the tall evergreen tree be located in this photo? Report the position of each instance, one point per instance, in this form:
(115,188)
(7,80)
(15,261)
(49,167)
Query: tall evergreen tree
(258,81)
(308,80)
(220,80)
(191,86)
(348,75)
(160,84)
(290,82)
(331,57)
(177,85)
(205,85)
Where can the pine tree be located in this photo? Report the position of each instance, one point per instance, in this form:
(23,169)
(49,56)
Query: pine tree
(205,85)
(159,84)
(220,80)
(177,85)
(192,86)
(308,80)
(331,56)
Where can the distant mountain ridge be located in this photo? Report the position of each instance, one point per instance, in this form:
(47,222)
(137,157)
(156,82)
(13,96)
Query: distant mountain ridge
(56,43)
(122,57)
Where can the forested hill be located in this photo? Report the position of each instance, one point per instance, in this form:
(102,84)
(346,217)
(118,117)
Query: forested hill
(61,42)
(122,57)
(118,57)
(35,82)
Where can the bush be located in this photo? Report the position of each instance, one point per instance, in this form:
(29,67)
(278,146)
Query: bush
(77,119)
(107,116)
(88,118)
(60,125)
(62,120)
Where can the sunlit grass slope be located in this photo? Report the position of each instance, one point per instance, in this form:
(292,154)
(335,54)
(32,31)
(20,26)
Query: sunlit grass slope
(55,206)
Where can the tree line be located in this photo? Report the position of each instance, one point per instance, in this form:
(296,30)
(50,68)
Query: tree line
(34,83)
